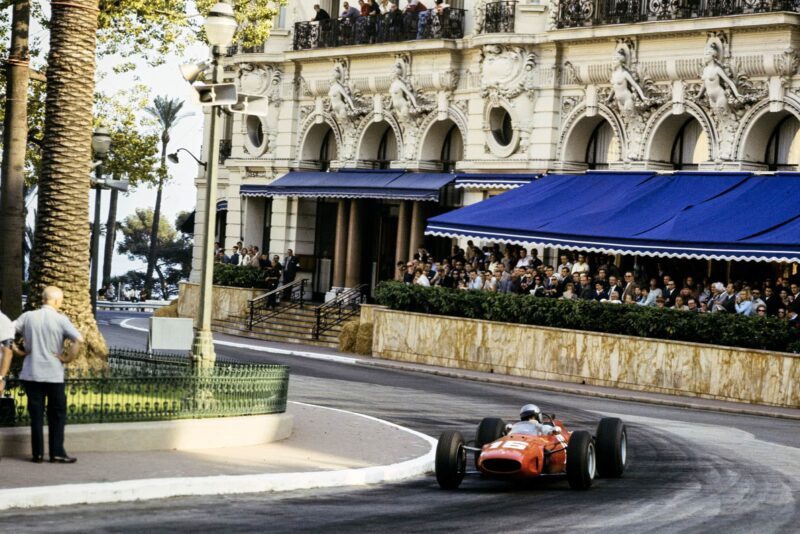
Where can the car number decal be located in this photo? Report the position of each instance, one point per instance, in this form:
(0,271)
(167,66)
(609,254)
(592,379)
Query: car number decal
(518,445)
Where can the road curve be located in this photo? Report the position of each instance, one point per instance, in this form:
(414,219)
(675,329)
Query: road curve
(689,471)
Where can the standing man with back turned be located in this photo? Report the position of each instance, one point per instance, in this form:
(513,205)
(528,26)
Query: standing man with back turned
(44,331)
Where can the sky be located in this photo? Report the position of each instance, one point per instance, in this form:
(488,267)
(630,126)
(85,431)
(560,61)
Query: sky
(180,193)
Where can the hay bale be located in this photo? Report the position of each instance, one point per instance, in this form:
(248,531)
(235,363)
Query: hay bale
(167,311)
(364,339)
(347,337)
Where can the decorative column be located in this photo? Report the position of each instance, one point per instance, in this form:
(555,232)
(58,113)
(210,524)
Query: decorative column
(417,228)
(340,254)
(352,275)
(401,249)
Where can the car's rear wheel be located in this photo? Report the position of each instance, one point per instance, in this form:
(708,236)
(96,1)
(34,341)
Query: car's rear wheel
(612,447)
(581,460)
(451,460)
(490,429)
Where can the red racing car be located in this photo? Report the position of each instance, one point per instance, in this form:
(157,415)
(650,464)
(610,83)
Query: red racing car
(538,445)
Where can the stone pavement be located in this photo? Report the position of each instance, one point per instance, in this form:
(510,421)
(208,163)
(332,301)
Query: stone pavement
(323,440)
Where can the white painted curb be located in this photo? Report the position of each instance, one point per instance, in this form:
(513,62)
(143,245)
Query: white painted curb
(257,348)
(160,488)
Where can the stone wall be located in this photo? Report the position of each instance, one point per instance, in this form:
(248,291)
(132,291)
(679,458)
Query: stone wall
(707,371)
(226,301)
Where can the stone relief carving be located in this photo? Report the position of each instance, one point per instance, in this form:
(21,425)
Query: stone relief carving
(343,103)
(728,95)
(263,80)
(508,71)
(788,62)
(407,103)
(632,93)
(479,17)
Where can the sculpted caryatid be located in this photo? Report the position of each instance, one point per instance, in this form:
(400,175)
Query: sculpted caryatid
(404,101)
(715,81)
(341,102)
(624,86)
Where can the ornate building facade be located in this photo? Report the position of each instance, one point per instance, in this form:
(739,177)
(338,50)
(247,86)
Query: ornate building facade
(500,90)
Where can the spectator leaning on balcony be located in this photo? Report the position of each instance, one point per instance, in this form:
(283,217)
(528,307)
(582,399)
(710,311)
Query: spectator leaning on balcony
(363,7)
(350,13)
(321,14)
(44,331)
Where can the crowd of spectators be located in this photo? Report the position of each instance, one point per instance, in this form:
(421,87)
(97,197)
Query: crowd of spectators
(374,17)
(517,270)
(272,272)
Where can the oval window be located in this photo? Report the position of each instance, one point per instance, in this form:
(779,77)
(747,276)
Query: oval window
(501,126)
(255,130)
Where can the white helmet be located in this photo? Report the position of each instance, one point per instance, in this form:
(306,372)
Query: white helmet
(530,411)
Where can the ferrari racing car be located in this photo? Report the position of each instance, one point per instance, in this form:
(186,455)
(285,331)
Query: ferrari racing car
(536,446)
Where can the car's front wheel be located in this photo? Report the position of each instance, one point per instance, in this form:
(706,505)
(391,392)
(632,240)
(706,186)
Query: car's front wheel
(451,460)
(581,460)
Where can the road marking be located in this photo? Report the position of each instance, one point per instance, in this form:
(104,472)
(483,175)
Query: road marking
(270,350)
(161,488)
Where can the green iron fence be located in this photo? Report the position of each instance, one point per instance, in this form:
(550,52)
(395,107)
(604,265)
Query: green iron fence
(136,387)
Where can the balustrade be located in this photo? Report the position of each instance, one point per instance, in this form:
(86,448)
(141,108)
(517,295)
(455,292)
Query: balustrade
(499,17)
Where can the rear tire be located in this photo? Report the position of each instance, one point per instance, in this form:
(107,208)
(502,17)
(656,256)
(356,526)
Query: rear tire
(612,447)
(490,429)
(451,460)
(581,460)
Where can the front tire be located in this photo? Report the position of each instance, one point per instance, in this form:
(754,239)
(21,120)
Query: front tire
(581,460)
(612,447)
(490,429)
(451,460)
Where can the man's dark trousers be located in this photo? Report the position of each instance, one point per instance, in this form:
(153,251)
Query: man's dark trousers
(37,392)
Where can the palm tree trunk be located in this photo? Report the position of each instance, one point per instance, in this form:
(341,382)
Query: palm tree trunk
(61,253)
(111,237)
(151,256)
(15,135)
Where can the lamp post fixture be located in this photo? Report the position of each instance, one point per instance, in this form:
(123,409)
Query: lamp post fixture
(220,26)
(101,144)
(173,158)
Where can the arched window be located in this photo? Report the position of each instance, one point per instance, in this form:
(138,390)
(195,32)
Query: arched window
(382,159)
(603,147)
(325,151)
(689,146)
(783,148)
(451,149)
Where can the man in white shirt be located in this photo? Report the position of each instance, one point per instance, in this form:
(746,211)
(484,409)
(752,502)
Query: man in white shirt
(523,261)
(581,266)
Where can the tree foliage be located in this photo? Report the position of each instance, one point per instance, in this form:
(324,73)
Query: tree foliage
(174,248)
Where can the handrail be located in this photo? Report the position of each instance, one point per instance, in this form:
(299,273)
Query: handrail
(343,306)
(296,291)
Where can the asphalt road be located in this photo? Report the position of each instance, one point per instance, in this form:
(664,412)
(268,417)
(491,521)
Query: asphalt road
(688,471)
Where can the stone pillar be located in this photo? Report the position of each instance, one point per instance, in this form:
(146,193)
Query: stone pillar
(401,249)
(417,228)
(340,254)
(352,274)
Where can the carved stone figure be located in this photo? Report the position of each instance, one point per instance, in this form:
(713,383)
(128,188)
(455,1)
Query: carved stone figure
(404,101)
(341,99)
(716,81)
(625,88)
(479,15)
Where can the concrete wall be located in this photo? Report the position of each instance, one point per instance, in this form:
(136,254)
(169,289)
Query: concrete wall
(707,371)
(227,301)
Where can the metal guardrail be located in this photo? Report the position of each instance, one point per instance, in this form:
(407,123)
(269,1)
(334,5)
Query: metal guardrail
(266,306)
(136,387)
(131,306)
(391,27)
(345,305)
(500,17)
(577,13)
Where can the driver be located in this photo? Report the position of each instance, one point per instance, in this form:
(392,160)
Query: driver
(530,422)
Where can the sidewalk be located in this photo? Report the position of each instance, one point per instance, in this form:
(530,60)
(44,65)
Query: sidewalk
(678,401)
(327,448)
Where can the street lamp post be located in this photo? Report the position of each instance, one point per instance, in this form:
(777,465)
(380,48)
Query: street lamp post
(220,25)
(101,144)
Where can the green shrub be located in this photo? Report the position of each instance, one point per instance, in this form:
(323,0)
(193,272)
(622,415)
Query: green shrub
(238,276)
(727,329)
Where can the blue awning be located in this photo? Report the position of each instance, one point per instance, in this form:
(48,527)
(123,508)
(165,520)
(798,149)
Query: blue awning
(354,183)
(727,216)
(222,205)
(493,181)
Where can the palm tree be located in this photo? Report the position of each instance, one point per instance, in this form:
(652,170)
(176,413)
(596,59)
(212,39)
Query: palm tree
(61,248)
(167,111)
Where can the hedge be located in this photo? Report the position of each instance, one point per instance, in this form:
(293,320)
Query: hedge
(726,329)
(238,276)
